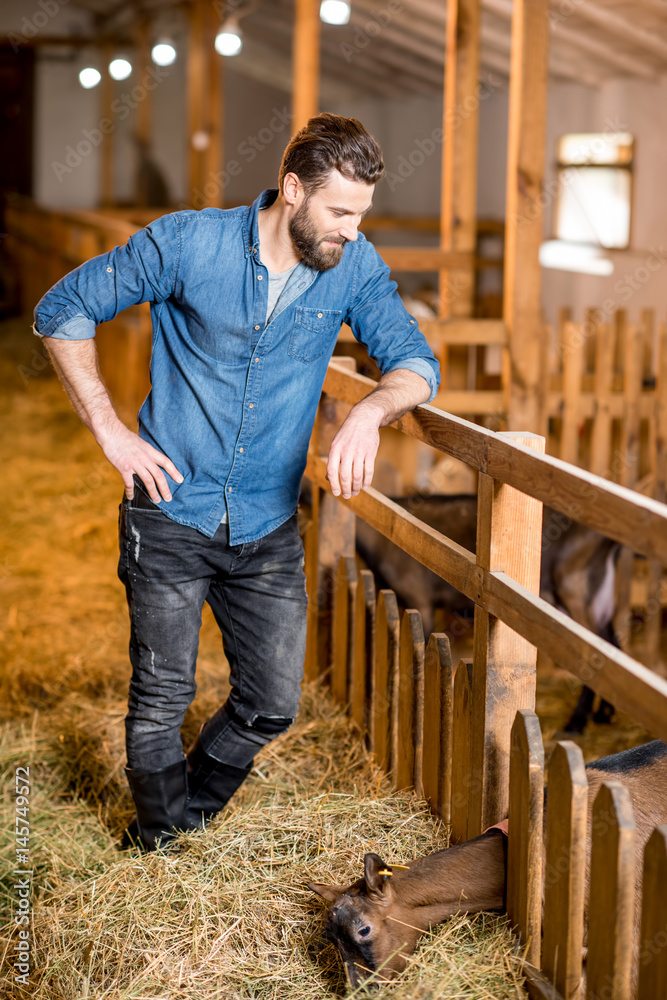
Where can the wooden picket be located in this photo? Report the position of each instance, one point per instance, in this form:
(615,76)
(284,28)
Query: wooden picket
(462,777)
(385,680)
(410,703)
(611,902)
(653,937)
(564,868)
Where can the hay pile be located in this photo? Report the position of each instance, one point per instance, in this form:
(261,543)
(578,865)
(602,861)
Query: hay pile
(230,915)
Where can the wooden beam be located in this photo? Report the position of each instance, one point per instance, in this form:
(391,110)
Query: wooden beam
(613,510)
(196,68)
(621,28)
(306,62)
(423,258)
(106,153)
(215,193)
(523,233)
(458,212)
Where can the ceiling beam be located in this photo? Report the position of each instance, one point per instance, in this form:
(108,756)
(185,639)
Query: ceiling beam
(621,28)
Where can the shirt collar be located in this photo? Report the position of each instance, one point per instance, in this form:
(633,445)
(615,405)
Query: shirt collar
(251,228)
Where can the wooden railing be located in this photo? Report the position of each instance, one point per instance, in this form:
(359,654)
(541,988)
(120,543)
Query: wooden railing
(468,739)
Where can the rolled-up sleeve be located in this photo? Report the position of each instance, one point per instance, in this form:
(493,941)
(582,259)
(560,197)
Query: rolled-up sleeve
(380,321)
(143,270)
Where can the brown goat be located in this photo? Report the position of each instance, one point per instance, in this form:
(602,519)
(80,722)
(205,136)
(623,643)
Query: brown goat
(377,921)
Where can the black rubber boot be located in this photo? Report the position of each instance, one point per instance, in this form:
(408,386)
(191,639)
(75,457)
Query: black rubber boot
(160,798)
(210,785)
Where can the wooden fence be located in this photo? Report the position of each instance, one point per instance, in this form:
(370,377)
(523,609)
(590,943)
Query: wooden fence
(468,739)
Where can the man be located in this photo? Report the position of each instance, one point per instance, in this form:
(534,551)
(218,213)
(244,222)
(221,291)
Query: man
(246,307)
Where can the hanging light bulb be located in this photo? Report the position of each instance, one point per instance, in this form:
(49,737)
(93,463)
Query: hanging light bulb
(228,41)
(89,77)
(120,68)
(335,11)
(163,53)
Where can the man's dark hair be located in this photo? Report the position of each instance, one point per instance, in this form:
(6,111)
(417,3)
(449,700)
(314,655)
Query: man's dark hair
(330,142)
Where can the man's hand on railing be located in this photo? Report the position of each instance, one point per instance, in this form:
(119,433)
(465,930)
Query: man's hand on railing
(353,450)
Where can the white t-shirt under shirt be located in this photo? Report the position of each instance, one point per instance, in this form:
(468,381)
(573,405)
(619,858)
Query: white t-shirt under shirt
(277,283)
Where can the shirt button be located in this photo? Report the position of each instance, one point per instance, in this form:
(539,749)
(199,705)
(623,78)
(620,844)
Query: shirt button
(256,360)
(251,405)
(412,322)
(109,269)
(240,449)
(257,326)
(319,315)
(229,489)
(259,277)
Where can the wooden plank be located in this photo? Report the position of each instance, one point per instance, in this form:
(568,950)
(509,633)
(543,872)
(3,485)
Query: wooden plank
(471,401)
(312,664)
(305,62)
(385,679)
(653,936)
(629,470)
(613,510)
(423,258)
(344,617)
(364,650)
(601,434)
(653,625)
(106,112)
(464,331)
(438,707)
(410,705)
(611,673)
(509,539)
(214,191)
(524,842)
(611,904)
(573,359)
(196,110)
(523,208)
(458,212)
(462,777)
(565,869)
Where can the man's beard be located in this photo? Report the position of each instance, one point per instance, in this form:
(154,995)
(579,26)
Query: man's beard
(309,244)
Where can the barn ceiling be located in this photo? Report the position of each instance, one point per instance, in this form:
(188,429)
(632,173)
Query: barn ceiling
(591,40)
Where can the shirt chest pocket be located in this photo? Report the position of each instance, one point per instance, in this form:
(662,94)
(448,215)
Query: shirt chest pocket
(314,333)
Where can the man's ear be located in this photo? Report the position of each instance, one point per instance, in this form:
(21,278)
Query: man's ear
(378,878)
(328,892)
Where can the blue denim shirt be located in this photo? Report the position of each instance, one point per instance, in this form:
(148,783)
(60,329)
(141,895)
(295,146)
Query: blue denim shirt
(233,399)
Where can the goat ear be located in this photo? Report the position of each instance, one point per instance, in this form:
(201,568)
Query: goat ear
(377,881)
(328,892)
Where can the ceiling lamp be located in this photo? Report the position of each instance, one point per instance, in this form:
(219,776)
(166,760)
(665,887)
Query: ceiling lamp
(228,41)
(335,11)
(120,68)
(89,77)
(163,53)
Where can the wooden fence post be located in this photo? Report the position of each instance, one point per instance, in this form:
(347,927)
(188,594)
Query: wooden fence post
(364,651)
(461,752)
(385,678)
(611,904)
(653,938)
(410,704)
(344,616)
(509,538)
(565,863)
(525,843)
(438,708)
(573,360)
(653,623)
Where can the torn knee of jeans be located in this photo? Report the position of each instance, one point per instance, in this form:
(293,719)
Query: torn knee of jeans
(271,725)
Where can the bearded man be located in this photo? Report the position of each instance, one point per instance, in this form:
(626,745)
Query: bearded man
(246,306)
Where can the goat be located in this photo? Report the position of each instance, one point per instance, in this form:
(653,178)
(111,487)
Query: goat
(377,921)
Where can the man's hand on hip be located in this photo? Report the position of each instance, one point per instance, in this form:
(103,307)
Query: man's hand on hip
(131,455)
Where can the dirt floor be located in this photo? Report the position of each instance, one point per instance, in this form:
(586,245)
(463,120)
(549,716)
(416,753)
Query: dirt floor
(119,926)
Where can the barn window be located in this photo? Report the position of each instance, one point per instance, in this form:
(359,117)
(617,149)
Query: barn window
(594,189)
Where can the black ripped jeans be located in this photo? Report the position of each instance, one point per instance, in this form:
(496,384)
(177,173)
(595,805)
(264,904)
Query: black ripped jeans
(257,594)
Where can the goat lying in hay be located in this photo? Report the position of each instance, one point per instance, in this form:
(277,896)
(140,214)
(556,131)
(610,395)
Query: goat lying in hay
(377,921)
